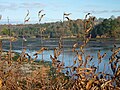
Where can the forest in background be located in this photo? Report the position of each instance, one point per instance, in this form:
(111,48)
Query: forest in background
(103,28)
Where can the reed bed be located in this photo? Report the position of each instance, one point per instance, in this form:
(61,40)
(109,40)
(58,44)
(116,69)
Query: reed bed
(26,74)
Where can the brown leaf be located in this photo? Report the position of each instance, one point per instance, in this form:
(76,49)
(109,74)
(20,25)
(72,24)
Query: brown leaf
(41,50)
(0,83)
(80,57)
(89,84)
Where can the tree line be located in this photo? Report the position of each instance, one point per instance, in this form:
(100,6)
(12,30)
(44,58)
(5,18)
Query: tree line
(102,27)
(108,27)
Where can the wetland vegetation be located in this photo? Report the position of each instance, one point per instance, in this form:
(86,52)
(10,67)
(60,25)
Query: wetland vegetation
(52,62)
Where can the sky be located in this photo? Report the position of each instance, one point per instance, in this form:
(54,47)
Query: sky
(16,10)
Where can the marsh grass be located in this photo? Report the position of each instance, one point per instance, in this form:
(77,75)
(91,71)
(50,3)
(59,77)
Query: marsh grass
(27,74)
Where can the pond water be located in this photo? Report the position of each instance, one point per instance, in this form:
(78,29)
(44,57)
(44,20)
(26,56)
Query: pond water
(94,45)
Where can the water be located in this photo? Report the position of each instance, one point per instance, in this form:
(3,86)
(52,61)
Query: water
(32,45)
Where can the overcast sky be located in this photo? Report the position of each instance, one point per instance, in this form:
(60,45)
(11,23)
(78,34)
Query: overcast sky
(54,9)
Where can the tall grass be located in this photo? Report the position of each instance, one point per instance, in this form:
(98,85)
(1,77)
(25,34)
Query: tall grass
(26,74)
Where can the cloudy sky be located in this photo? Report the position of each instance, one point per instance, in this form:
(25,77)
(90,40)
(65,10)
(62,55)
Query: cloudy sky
(16,10)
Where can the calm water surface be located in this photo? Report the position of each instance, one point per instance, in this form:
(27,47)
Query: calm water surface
(32,45)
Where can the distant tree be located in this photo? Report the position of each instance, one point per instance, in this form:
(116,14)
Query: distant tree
(109,27)
(5,31)
(112,17)
(100,19)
